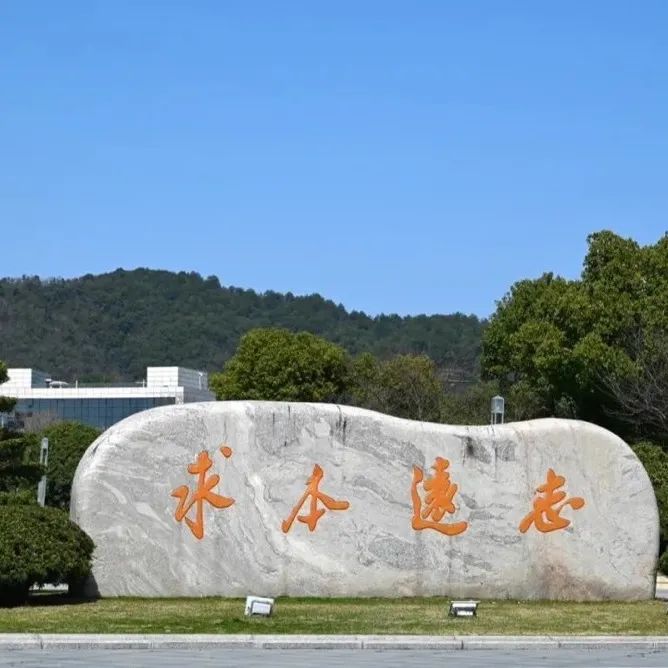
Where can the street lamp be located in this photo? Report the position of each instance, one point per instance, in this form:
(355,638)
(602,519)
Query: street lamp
(43,460)
(498,409)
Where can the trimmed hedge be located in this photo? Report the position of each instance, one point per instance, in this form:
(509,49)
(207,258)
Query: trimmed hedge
(39,546)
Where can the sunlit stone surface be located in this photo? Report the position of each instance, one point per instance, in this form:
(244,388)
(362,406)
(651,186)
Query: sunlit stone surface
(124,497)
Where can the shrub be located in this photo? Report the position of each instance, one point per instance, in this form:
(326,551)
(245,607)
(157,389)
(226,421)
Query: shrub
(67,443)
(39,546)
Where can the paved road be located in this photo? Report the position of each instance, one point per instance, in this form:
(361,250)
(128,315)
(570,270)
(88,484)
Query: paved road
(253,658)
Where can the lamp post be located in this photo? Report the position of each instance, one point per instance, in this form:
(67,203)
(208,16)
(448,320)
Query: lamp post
(498,409)
(43,460)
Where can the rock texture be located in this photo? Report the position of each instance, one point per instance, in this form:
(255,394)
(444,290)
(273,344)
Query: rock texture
(133,479)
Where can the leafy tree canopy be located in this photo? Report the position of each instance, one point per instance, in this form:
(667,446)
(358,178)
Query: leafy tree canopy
(20,470)
(405,386)
(6,403)
(552,342)
(110,327)
(471,406)
(275,364)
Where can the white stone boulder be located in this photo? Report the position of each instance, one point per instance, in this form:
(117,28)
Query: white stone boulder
(326,500)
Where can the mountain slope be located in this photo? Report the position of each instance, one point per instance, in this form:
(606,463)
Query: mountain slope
(113,325)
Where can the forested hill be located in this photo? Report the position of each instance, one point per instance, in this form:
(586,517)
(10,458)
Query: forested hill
(111,326)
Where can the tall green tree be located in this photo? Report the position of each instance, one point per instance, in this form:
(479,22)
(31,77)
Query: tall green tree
(275,364)
(405,386)
(641,395)
(6,403)
(20,470)
(553,342)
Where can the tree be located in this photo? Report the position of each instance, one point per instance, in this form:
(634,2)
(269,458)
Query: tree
(552,340)
(641,394)
(113,325)
(472,406)
(67,443)
(275,364)
(20,470)
(405,386)
(6,403)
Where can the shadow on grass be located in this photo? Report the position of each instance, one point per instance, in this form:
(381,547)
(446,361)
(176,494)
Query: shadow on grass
(52,598)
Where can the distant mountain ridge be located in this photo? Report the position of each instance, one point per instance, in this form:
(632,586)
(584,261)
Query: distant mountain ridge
(111,326)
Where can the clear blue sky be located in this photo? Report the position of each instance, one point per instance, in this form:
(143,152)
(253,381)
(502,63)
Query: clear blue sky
(400,157)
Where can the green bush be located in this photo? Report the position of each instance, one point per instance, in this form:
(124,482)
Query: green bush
(39,546)
(67,443)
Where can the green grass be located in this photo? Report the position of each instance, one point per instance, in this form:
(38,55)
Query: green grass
(50,613)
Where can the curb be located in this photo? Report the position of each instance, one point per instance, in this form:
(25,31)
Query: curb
(52,641)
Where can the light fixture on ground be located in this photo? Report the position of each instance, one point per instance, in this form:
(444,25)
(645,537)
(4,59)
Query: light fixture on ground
(463,609)
(259,606)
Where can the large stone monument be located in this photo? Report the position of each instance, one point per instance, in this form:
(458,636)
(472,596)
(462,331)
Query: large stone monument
(234,498)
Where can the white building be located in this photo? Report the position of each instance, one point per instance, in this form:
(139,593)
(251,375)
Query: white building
(101,405)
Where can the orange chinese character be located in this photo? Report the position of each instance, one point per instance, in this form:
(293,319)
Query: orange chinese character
(201,494)
(311,520)
(546,509)
(438,500)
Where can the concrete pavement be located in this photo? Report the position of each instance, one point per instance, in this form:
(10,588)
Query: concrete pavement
(338,658)
(47,641)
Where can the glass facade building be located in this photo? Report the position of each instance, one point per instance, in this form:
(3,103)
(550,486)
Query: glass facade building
(39,397)
(99,413)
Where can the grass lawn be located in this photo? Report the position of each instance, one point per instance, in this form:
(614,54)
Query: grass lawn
(54,613)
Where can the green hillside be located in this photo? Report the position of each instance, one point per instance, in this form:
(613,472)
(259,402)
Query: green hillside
(110,327)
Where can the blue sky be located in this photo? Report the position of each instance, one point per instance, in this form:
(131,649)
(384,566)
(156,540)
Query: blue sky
(402,157)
